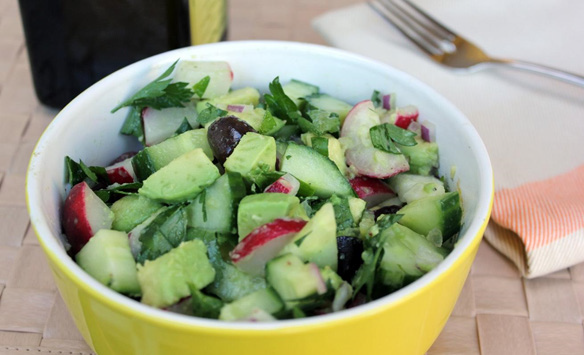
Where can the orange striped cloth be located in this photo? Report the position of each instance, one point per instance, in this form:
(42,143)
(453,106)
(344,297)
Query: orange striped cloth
(540,225)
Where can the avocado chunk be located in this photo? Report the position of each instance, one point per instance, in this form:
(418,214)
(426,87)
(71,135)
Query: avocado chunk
(293,279)
(259,209)
(182,179)
(317,241)
(107,257)
(422,157)
(335,150)
(153,158)
(265,299)
(131,210)
(243,96)
(167,279)
(253,150)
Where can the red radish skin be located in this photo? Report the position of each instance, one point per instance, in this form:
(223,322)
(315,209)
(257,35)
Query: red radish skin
(286,184)
(405,115)
(84,213)
(373,191)
(121,173)
(264,243)
(361,156)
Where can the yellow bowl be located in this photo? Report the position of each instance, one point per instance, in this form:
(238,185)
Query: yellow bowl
(405,322)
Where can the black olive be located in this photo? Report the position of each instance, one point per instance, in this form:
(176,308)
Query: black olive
(123,157)
(349,256)
(386,210)
(224,135)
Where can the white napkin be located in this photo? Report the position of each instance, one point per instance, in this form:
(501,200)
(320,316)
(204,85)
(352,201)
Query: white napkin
(533,126)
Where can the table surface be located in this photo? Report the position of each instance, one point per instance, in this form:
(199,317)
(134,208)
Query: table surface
(498,311)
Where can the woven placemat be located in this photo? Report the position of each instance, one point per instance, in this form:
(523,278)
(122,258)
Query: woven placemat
(498,311)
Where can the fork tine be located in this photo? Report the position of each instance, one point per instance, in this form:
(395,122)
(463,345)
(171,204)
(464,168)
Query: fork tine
(448,33)
(421,28)
(385,11)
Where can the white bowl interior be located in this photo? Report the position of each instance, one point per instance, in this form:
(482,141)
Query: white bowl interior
(86,130)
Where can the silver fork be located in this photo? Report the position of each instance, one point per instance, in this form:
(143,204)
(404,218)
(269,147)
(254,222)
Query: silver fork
(447,47)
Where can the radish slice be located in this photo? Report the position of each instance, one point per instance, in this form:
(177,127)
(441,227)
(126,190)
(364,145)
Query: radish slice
(264,243)
(415,127)
(121,172)
(320,285)
(373,191)
(405,115)
(286,184)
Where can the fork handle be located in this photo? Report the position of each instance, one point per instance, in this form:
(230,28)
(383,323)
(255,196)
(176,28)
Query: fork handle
(542,69)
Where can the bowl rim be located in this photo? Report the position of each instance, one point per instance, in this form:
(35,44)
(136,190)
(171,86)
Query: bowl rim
(54,250)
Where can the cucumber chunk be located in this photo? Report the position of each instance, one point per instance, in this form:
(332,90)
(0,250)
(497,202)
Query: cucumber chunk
(131,210)
(243,96)
(330,104)
(265,299)
(411,187)
(297,90)
(441,212)
(318,171)
(335,150)
(214,210)
(407,256)
(107,257)
(230,283)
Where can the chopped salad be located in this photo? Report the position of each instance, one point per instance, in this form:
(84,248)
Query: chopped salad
(249,206)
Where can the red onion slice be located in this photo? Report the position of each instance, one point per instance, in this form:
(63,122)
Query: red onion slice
(235,108)
(428,131)
(387,102)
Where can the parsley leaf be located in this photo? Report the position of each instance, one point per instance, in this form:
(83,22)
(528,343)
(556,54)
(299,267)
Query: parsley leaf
(320,144)
(118,189)
(280,104)
(323,121)
(270,124)
(184,126)
(166,231)
(203,305)
(78,172)
(133,124)
(200,87)
(343,214)
(365,276)
(173,96)
(384,137)
(155,89)
(209,114)
(376,97)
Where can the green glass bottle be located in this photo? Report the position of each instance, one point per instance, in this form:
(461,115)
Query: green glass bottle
(74,43)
